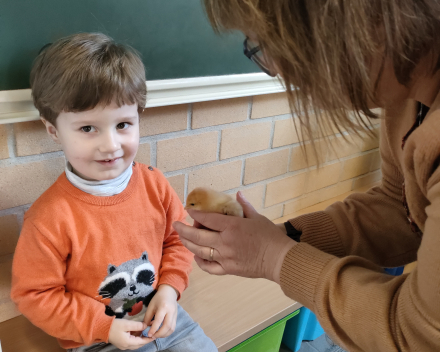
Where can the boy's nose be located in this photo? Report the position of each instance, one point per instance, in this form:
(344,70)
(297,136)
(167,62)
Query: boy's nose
(109,143)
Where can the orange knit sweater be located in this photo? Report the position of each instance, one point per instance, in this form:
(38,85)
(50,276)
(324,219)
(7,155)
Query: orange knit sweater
(81,260)
(336,269)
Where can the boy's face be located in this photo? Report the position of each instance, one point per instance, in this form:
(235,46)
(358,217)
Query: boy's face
(100,143)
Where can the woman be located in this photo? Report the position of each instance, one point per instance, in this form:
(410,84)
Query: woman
(348,55)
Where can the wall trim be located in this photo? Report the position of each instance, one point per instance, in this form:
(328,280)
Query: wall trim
(16,105)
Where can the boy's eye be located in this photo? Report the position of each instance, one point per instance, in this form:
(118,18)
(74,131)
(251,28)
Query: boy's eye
(122,125)
(87,129)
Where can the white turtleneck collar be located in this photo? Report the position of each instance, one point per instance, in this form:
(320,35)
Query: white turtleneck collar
(103,188)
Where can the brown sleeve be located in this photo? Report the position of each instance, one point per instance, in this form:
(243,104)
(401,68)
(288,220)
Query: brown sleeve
(363,309)
(372,225)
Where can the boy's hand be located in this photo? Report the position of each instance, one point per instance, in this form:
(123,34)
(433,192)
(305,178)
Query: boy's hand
(163,307)
(120,334)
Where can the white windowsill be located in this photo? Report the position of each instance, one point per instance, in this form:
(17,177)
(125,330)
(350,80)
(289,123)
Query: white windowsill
(17,106)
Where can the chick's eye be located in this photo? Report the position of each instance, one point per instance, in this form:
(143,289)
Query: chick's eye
(87,129)
(122,125)
(192,204)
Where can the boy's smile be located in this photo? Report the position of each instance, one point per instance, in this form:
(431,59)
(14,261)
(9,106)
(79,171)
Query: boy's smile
(100,143)
(108,162)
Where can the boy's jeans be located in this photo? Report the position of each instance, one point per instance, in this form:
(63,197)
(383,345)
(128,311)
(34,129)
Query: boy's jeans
(187,337)
(322,344)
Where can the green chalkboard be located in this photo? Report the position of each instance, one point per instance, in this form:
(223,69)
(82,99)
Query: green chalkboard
(173,36)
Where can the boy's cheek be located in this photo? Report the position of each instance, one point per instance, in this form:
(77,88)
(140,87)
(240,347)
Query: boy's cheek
(134,151)
(134,144)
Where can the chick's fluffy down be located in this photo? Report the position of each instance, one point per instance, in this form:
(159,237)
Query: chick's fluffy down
(208,200)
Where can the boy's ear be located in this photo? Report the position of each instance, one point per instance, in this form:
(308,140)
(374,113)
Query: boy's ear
(51,130)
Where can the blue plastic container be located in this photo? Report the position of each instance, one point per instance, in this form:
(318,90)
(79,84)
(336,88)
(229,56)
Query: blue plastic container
(304,326)
(395,271)
(313,328)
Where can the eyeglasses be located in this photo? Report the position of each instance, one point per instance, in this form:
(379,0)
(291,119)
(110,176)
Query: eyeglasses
(255,54)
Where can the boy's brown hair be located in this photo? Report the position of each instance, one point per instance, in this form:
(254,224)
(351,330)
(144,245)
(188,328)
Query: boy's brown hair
(81,71)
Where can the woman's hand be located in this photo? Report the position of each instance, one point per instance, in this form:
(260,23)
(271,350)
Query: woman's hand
(282,227)
(251,247)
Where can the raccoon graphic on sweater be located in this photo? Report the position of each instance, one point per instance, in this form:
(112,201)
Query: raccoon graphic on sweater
(129,287)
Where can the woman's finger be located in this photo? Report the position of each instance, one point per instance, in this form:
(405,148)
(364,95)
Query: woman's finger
(213,221)
(202,237)
(200,251)
(248,210)
(198,226)
(213,268)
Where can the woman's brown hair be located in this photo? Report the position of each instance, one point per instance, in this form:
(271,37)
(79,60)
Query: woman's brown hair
(81,71)
(325,48)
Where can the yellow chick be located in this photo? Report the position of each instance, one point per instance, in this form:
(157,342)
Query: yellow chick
(208,200)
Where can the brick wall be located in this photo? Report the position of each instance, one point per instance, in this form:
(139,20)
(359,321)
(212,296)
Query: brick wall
(246,144)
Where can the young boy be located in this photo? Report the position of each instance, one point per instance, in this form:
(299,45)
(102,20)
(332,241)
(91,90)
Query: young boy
(98,261)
